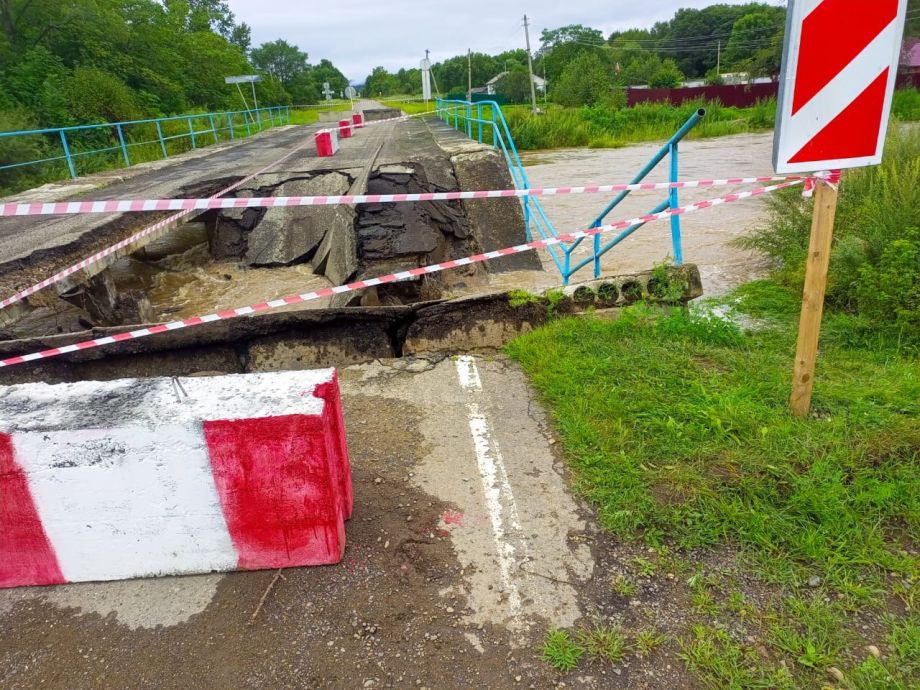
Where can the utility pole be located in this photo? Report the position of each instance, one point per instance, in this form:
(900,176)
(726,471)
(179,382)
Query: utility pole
(719,60)
(533,93)
(469,75)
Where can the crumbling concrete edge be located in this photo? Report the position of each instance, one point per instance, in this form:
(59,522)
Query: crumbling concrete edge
(311,338)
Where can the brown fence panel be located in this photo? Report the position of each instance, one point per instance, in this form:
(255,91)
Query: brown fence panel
(739,96)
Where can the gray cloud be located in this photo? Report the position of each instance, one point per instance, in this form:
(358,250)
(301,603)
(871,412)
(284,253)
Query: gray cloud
(358,36)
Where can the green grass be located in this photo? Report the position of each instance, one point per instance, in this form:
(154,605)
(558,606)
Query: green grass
(410,107)
(604,642)
(604,127)
(676,425)
(306,116)
(560,652)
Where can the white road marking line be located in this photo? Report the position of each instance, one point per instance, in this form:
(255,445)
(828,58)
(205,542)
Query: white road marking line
(496,488)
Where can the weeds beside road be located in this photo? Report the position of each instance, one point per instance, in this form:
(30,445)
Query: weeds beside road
(793,543)
(677,427)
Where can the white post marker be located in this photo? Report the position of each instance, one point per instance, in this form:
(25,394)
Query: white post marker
(839,70)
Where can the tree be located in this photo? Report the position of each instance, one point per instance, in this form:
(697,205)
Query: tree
(754,39)
(280,59)
(241,37)
(585,81)
(381,83)
(325,71)
(668,76)
(559,47)
(515,85)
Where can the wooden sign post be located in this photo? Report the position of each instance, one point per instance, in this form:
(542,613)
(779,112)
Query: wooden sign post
(839,70)
(816,269)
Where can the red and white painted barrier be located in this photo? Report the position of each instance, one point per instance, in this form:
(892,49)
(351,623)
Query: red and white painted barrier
(327,142)
(345,129)
(392,277)
(147,477)
(146,205)
(358,120)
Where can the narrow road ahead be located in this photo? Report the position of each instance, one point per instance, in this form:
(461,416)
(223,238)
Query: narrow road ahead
(31,248)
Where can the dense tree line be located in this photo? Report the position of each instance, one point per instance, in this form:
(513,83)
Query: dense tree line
(582,66)
(68,62)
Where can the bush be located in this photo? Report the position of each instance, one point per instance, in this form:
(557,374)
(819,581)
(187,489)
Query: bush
(875,264)
(584,81)
(18,150)
(668,76)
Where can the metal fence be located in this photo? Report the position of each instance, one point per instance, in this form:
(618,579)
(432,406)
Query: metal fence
(88,148)
(488,122)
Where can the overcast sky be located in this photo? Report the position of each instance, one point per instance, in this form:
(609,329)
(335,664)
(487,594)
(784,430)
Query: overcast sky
(357,36)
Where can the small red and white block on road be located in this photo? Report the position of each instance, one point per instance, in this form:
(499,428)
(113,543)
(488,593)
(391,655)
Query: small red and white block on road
(149,477)
(327,142)
(839,71)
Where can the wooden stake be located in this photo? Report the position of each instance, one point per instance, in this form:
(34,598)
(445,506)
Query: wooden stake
(816,269)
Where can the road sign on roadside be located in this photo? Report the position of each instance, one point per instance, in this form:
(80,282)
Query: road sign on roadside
(839,69)
(327,91)
(243,79)
(351,92)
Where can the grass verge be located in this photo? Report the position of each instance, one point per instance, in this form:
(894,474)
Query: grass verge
(677,426)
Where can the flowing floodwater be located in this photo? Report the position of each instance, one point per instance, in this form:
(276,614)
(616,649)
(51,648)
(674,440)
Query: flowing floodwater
(190,284)
(707,235)
(181,280)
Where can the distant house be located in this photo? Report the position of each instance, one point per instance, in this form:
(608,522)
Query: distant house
(492,85)
(910,56)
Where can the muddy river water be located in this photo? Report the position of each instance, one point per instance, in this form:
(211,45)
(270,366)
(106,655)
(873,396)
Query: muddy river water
(707,235)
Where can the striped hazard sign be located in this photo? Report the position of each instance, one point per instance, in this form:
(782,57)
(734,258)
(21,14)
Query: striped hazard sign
(839,71)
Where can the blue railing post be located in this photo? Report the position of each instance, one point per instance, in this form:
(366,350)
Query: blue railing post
(259,118)
(674,202)
(597,253)
(213,128)
(162,141)
(479,120)
(469,120)
(124,148)
(73,170)
(246,119)
(229,117)
(191,130)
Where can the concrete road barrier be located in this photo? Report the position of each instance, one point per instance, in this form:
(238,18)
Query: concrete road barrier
(345,129)
(147,477)
(358,120)
(327,142)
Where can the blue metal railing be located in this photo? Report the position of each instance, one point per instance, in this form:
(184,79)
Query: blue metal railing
(489,114)
(120,134)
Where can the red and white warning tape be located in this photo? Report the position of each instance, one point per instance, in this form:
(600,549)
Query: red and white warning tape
(142,205)
(146,232)
(389,278)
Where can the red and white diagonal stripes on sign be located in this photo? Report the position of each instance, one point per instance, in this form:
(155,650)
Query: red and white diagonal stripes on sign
(840,68)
